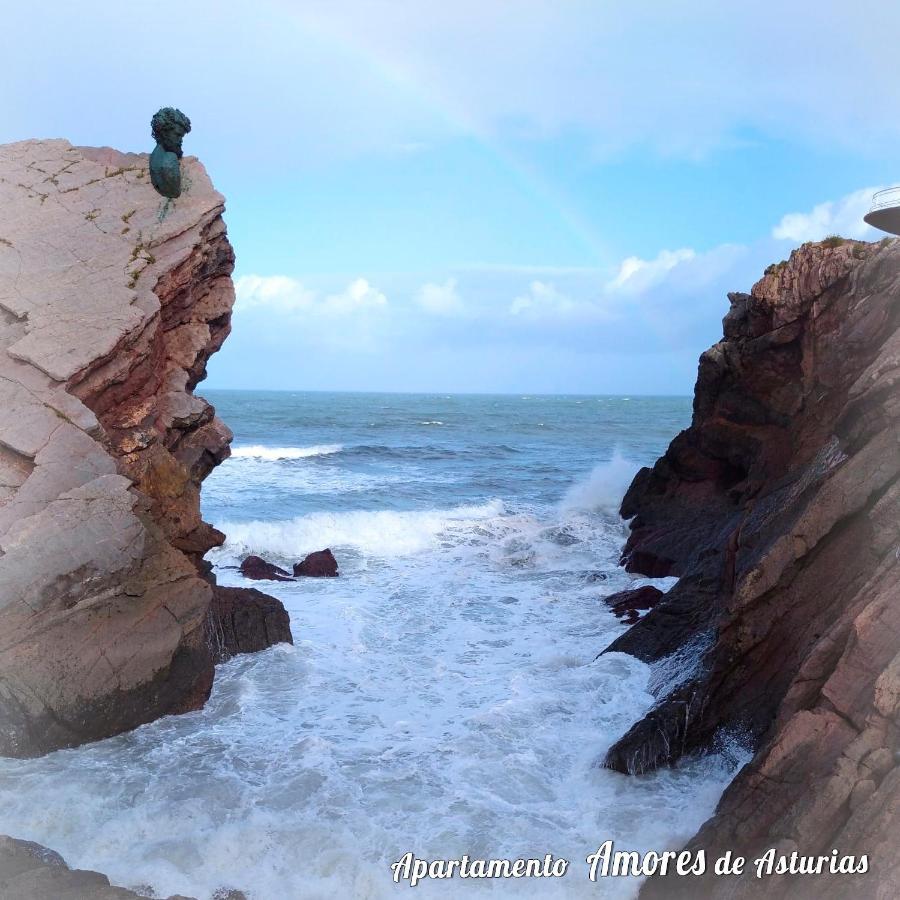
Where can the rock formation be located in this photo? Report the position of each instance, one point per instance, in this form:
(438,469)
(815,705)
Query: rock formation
(111,302)
(320,564)
(244,620)
(628,605)
(779,510)
(29,871)
(258,569)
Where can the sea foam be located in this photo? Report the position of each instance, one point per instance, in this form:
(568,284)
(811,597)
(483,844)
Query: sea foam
(444,695)
(382,533)
(258,451)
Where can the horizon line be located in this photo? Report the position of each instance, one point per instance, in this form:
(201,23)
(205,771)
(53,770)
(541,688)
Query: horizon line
(637,394)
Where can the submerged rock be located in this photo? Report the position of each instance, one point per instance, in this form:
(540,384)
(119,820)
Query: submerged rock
(779,508)
(258,569)
(245,620)
(320,564)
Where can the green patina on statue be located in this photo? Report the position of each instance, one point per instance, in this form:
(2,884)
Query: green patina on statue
(168,127)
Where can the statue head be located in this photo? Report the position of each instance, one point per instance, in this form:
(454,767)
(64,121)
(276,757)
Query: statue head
(169,126)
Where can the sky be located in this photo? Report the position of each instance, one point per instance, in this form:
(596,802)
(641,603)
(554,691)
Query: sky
(497,196)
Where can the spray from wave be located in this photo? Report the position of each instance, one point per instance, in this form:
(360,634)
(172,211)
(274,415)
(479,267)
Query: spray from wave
(603,489)
(382,533)
(258,451)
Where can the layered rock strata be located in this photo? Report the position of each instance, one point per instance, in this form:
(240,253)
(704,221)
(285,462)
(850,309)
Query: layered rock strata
(112,299)
(779,511)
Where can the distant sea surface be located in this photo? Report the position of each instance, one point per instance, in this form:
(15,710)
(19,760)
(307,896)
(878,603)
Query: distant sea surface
(443,695)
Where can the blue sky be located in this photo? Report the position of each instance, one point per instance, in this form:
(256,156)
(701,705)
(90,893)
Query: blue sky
(484,196)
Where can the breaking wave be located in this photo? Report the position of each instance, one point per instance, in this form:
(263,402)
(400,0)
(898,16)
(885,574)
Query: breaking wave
(603,489)
(382,533)
(444,695)
(258,451)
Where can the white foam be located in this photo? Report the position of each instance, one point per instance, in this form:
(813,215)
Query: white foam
(381,533)
(443,697)
(259,451)
(679,667)
(603,489)
(437,701)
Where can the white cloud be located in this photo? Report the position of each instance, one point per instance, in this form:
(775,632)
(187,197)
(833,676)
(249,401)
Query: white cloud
(662,313)
(543,299)
(278,292)
(283,294)
(441,299)
(843,217)
(639,287)
(358,295)
(636,275)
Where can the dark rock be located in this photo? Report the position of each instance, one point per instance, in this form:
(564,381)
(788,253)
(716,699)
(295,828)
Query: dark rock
(657,739)
(734,324)
(258,569)
(646,563)
(779,509)
(627,605)
(320,564)
(245,620)
(679,615)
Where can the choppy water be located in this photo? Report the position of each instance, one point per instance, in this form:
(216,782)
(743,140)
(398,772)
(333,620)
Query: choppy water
(443,695)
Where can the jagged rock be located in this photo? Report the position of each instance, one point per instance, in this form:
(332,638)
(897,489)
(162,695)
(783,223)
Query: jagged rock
(244,620)
(112,299)
(258,569)
(320,564)
(628,605)
(780,509)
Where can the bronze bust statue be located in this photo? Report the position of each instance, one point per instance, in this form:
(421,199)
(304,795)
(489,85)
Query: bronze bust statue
(168,127)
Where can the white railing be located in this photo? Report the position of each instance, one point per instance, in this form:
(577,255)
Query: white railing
(886,198)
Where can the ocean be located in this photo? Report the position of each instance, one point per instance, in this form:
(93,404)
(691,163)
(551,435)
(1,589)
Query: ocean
(443,696)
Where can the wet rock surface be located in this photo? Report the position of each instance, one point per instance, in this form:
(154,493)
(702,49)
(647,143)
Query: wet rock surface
(779,508)
(320,564)
(628,605)
(257,569)
(244,620)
